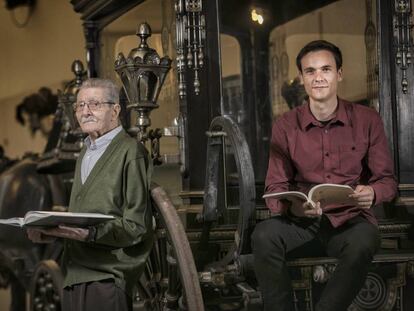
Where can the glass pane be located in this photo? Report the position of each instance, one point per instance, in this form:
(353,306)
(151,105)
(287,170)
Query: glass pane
(259,43)
(119,37)
(356,39)
(232,104)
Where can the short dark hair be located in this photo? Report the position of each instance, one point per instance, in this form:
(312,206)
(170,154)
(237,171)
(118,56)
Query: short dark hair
(320,45)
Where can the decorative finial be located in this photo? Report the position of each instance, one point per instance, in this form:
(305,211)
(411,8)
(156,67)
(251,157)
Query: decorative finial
(68,96)
(78,71)
(144,32)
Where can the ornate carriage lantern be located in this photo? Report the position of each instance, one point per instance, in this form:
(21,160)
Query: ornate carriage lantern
(142,74)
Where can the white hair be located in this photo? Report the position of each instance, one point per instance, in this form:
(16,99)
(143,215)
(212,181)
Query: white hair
(111,89)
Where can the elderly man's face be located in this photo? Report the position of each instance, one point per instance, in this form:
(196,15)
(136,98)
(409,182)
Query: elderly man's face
(96,121)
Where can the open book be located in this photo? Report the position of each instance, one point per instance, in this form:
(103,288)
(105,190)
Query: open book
(324,193)
(53,219)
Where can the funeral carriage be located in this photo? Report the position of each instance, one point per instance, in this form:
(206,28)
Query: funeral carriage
(207,125)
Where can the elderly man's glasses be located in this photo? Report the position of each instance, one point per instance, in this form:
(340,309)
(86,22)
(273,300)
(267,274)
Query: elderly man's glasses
(92,105)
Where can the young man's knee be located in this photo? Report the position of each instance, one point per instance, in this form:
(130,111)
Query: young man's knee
(362,251)
(368,243)
(265,237)
(260,237)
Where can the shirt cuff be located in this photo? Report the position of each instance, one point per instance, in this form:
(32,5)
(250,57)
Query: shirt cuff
(377,195)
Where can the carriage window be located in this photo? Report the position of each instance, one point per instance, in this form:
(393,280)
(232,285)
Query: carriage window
(119,36)
(356,39)
(232,104)
(259,43)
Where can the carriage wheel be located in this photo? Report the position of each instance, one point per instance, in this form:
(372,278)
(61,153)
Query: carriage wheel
(170,280)
(224,133)
(46,287)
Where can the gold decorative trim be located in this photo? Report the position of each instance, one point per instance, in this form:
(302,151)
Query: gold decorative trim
(406,187)
(405,201)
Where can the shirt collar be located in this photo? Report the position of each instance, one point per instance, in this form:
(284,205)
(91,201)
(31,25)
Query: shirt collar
(307,119)
(102,141)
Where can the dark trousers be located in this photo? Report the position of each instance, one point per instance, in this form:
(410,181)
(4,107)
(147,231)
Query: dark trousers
(95,296)
(354,244)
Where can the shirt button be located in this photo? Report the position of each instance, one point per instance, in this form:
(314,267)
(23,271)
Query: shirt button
(78,197)
(328,176)
(326,131)
(327,154)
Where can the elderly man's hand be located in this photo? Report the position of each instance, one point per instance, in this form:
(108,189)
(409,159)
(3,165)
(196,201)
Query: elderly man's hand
(49,235)
(364,196)
(300,208)
(38,236)
(73,233)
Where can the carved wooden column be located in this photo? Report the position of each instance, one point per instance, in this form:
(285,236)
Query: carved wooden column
(91,33)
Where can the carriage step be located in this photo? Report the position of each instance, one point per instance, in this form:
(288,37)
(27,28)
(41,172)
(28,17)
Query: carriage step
(390,257)
(245,263)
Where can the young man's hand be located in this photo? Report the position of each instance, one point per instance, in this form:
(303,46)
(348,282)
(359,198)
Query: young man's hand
(300,208)
(364,196)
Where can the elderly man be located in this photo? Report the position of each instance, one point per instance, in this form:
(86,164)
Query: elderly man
(325,140)
(112,176)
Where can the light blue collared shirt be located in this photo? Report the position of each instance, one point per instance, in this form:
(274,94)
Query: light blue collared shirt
(94,150)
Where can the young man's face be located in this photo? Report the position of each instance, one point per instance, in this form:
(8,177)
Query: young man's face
(320,76)
(96,122)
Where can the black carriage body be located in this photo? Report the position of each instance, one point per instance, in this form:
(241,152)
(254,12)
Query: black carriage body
(219,232)
(227,132)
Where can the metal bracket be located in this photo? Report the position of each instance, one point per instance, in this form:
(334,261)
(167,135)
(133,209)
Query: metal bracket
(176,130)
(403,38)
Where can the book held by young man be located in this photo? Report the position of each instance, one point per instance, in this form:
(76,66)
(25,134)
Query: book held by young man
(326,194)
(53,219)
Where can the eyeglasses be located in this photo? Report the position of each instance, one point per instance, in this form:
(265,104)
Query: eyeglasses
(92,105)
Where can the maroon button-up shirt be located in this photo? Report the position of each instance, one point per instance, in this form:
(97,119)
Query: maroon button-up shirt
(351,149)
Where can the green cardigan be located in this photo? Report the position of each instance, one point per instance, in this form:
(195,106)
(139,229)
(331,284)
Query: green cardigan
(118,185)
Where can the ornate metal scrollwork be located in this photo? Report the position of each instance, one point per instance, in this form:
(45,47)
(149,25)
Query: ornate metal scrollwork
(371,56)
(322,273)
(190,37)
(403,38)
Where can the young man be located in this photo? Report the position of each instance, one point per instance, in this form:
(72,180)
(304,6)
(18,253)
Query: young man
(326,140)
(102,263)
